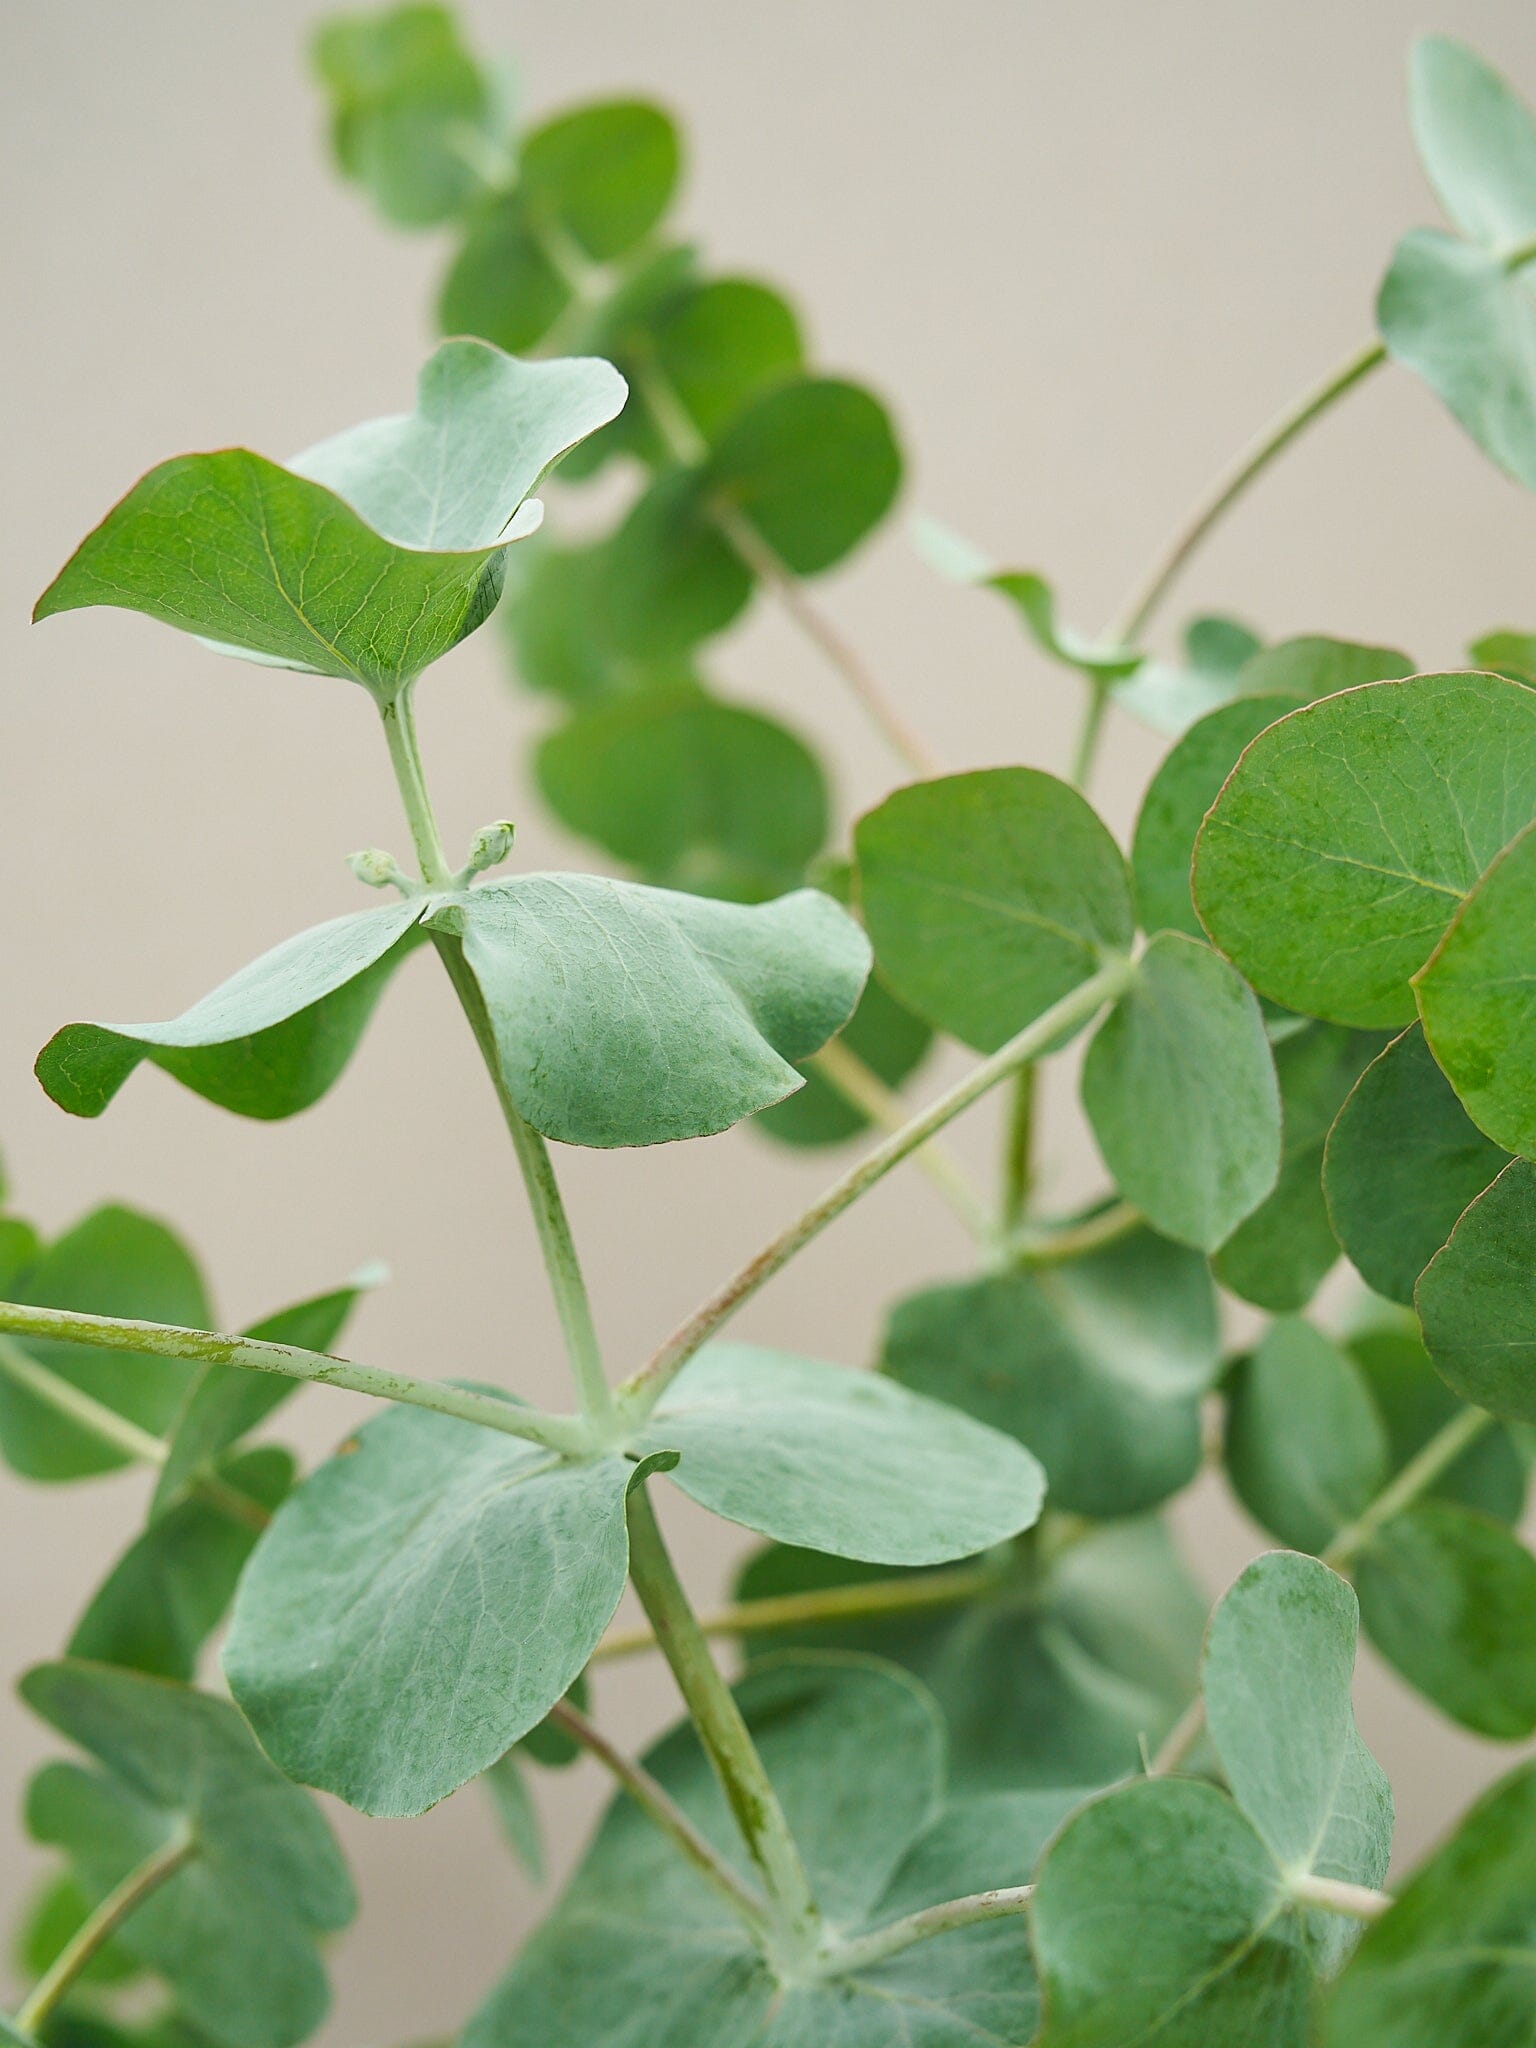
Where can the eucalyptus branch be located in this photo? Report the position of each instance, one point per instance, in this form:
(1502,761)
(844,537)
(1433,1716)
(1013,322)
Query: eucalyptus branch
(796,1920)
(1026,1045)
(1180,1740)
(659,1806)
(94,1932)
(1047,1246)
(863,1951)
(1416,1477)
(865,1599)
(861,1086)
(1335,1895)
(1018,1149)
(316,1368)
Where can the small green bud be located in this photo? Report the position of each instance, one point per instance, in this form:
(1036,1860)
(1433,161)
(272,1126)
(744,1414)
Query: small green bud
(375,868)
(490,846)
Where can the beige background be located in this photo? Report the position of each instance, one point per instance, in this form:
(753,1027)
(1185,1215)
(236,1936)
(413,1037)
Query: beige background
(1086,250)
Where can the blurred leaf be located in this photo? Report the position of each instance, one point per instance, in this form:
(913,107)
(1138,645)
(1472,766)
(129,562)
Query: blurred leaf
(603,174)
(56,1914)
(1476,140)
(721,344)
(813,464)
(516,1814)
(1507,653)
(1171,696)
(889,1040)
(667,576)
(1477,1299)
(1414,1403)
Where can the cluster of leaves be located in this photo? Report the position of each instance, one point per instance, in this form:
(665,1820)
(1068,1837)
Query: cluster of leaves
(968,1629)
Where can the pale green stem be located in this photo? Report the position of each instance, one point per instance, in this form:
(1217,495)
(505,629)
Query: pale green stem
(1018,1150)
(563,1433)
(861,1086)
(866,1598)
(101,1925)
(642,1389)
(1421,1471)
(1089,732)
(796,1924)
(863,1951)
(1180,1740)
(1335,1895)
(1047,1247)
(405,758)
(659,1806)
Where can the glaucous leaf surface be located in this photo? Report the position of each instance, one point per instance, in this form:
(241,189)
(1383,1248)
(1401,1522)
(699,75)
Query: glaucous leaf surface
(1414,1403)
(989,896)
(1403,1161)
(172,1587)
(114,1262)
(1347,835)
(1305,1448)
(1452,1964)
(1179,1085)
(233,1932)
(368,557)
(404,94)
(1054,1674)
(1477,1299)
(1282,1253)
(841,1460)
(1448,1596)
(692,793)
(1169,696)
(885,1035)
(420,1602)
(640,1949)
(1476,140)
(1477,997)
(1097,1365)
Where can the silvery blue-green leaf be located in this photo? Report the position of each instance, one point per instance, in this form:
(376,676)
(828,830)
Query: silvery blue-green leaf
(1278,1666)
(989,896)
(641,1950)
(114,1262)
(692,793)
(1476,140)
(1281,1255)
(1452,1964)
(1448,1596)
(1097,1365)
(1477,997)
(1348,834)
(839,1459)
(1464,320)
(1414,1404)
(421,1602)
(1477,1299)
(1305,1447)
(266,1043)
(1048,1677)
(223,1403)
(234,1931)
(1160,1916)
(882,1033)
(410,110)
(370,556)
(627,1015)
(1403,1161)
(1169,696)
(171,1588)
(1179,1085)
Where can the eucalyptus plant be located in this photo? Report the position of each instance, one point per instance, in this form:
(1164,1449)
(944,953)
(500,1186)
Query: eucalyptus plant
(990,1773)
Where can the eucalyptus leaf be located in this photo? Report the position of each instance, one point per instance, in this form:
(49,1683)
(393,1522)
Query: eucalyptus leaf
(1452,1964)
(640,1949)
(882,1033)
(371,555)
(1348,834)
(1414,1404)
(1507,653)
(1477,997)
(1169,696)
(516,1814)
(1448,1596)
(56,1914)
(1403,1161)
(692,793)
(420,1602)
(813,464)
(114,1262)
(1476,140)
(1179,1085)
(1313,666)
(840,1460)
(722,343)
(988,897)
(233,1932)
(1477,1299)
(1305,1447)
(1098,1366)
(602,174)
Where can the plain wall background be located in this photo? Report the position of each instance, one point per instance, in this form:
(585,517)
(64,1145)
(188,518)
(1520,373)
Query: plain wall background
(1085,251)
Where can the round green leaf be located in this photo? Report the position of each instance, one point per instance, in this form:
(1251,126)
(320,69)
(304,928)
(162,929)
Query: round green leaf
(890,1041)
(1507,653)
(1347,835)
(421,1602)
(668,577)
(1476,140)
(1179,1085)
(1313,666)
(1477,1299)
(502,285)
(1403,1161)
(990,896)
(1414,1404)
(840,1460)
(1477,997)
(721,344)
(1448,1596)
(234,1931)
(603,174)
